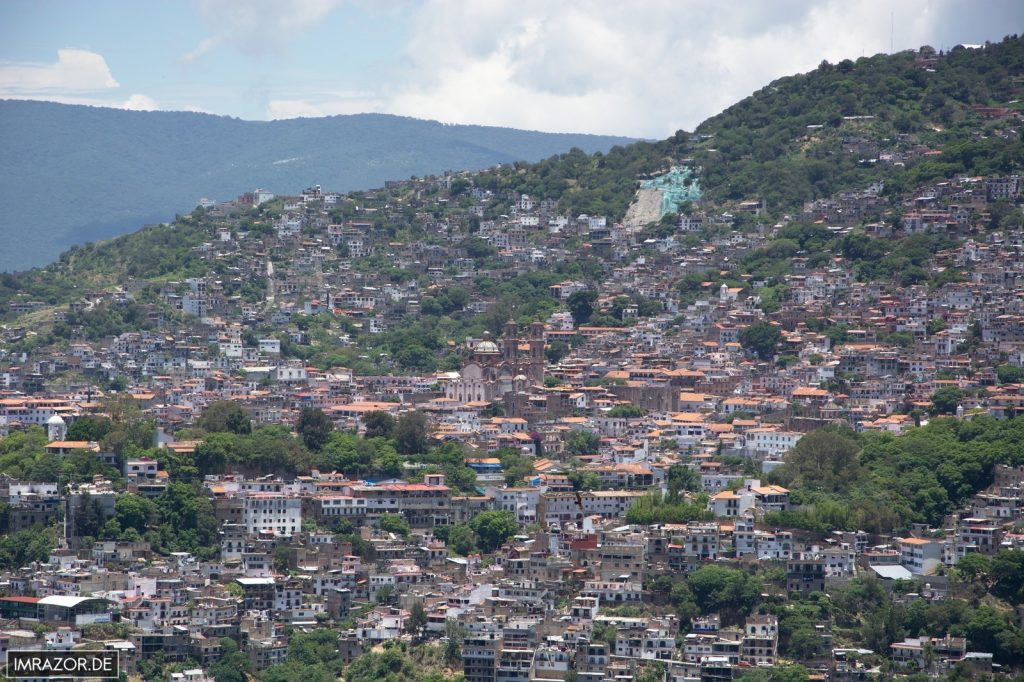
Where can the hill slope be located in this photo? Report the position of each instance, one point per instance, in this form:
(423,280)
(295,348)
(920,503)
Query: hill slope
(71,174)
(811,135)
(760,147)
(805,137)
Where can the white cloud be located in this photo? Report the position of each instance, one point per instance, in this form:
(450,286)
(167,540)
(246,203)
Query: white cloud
(641,69)
(257,27)
(77,77)
(329,104)
(74,71)
(134,102)
(202,48)
(139,102)
(293,108)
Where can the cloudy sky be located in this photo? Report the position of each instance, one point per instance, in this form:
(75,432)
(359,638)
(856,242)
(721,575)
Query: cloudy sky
(643,68)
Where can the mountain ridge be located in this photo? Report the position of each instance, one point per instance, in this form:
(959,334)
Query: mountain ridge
(73,173)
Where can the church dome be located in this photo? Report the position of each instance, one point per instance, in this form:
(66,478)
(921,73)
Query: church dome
(55,420)
(486,345)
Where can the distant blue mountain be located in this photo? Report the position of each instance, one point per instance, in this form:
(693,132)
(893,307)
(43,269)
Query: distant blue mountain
(72,174)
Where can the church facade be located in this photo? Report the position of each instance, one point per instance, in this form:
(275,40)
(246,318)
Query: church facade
(494,369)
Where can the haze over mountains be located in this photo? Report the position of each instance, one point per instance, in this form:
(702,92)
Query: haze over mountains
(72,174)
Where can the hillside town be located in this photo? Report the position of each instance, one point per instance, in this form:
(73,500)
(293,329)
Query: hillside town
(517,428)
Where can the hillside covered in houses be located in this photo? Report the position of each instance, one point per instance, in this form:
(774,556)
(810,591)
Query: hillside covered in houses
(746,403)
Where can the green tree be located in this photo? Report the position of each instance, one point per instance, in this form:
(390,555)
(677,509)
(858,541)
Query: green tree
(626,411)
(728,591)
(985,628)
(946,399)
(654,508)
(581,305)
(460,478)
(556,350)
(26,546)
(1007,574)
(493,528)
(233,666)
(88,517)
(293,671)
(1010,374)
(790,673)
(187,521)
(131,428)
(319,647)
(384,594)
(393,523)
(454,636)
(134,511)
(582,443)
(653,671)
(514,465)
(973,566)
(682,477)
(89,428)
(761,339)
(225,415)
(417,619)
(215,452)
(378,424)
(461,539)
(314,427)
(282,558)
(584,480)
(822,460)
(350,454)
(390,664)
(411,433)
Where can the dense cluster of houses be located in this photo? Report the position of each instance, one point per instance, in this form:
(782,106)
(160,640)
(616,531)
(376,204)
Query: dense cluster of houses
(696,398)
(531,607)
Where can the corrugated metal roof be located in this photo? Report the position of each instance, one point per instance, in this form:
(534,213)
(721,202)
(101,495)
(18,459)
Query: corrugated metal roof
(64,600)
(892,572)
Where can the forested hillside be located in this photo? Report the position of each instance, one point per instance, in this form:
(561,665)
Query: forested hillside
(809,136)
(785,142)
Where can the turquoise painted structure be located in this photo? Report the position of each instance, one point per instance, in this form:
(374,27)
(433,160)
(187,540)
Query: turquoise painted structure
(677,186)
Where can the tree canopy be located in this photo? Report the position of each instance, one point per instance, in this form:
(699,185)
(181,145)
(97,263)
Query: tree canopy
(761,339)
(225,415)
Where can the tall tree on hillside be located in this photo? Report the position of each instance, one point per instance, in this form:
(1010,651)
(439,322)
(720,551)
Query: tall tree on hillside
(417,619)
(89,428)
(761,339)
(946,399)
(225,415)
(581,305)
(582,442)
(822,460)
(88,517)
(131,427)
(493,528)
(378,423)
(314,427)
(411,433)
